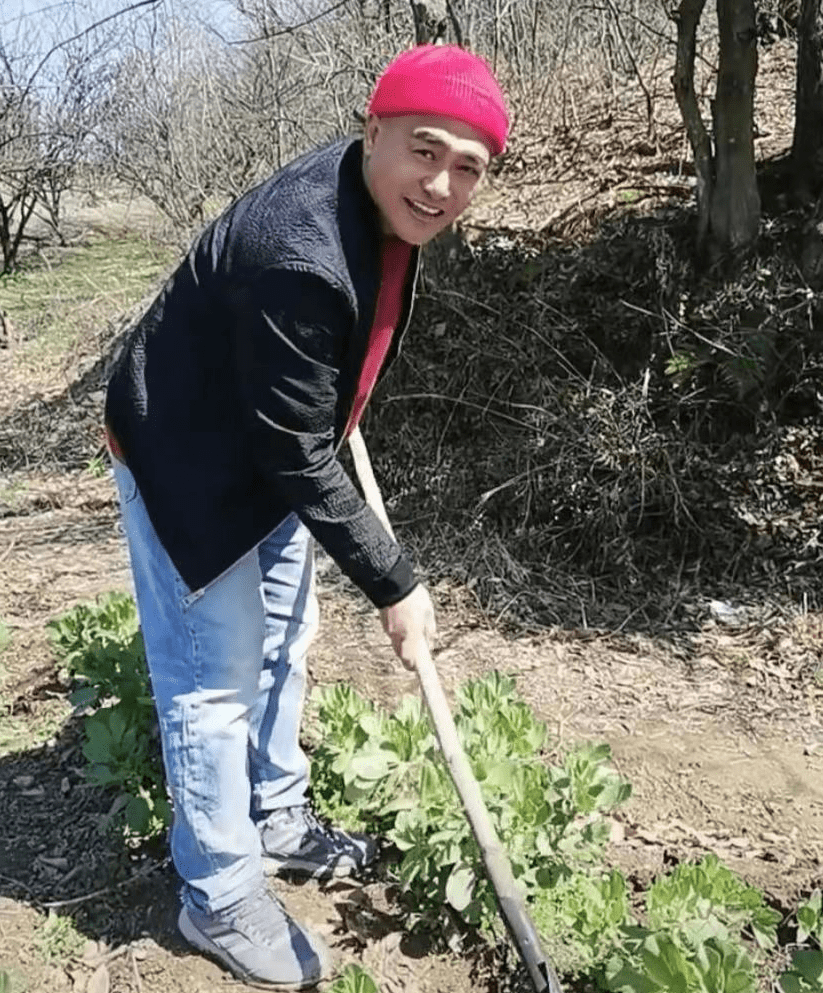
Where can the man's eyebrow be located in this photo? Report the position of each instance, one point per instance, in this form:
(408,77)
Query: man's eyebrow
(434,139)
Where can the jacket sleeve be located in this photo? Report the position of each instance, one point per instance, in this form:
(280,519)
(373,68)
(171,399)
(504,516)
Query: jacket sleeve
(291,343)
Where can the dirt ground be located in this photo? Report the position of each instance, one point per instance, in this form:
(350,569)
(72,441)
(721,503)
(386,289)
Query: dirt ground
(719,731)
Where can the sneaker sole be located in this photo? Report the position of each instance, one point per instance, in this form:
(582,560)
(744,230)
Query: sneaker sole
(203,944)
(308,870)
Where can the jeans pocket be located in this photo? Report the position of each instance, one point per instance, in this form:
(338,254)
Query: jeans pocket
(188,598)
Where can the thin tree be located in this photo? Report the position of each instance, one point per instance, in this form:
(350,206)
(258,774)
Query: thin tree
(807,145)
(727,198)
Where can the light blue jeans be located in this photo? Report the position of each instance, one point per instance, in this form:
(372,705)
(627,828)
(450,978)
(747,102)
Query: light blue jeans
(228,673)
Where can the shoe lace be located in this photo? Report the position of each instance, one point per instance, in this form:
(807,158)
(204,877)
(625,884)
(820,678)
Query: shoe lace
(316,824)
(255,915)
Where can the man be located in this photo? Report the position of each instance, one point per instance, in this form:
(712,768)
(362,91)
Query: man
(224,415)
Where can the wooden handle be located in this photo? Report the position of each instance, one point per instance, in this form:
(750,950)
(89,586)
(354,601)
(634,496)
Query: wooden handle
(365,473)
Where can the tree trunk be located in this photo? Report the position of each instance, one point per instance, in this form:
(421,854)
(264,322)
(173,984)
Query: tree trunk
(735,202)
(807,146)
(687,17)
(431,21)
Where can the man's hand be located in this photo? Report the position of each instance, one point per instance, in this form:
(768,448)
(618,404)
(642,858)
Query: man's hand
(410,625)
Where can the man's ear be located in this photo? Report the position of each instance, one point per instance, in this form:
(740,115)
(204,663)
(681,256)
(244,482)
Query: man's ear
(371,131)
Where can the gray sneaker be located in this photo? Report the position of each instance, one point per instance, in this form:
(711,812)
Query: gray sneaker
(259,943)
(295,841)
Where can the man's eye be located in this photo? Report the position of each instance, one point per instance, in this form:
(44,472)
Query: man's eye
(427,153)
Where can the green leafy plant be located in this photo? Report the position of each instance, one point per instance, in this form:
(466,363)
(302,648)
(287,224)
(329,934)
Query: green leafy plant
(97,467)
(354,979)
(707,898)
(810,919)
(384,773)
(660,963)
(698,917)
(582,917)
(58,939)
(101,648)
(629,196)
(806,972)
(704,929)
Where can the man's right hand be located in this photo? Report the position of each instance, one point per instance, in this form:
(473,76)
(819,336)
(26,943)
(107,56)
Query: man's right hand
(410,625)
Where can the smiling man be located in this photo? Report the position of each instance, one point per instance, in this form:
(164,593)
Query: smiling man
(422,172)
(224,416)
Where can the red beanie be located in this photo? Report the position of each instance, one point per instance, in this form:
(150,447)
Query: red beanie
(448,81)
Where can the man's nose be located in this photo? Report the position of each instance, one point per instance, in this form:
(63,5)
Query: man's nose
(438,184)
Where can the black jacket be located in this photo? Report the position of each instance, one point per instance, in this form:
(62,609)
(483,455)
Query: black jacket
(232,394)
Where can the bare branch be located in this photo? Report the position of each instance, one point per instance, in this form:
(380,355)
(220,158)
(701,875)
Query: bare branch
(291,29)
(82,34)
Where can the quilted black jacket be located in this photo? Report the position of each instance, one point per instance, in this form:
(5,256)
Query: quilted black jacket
(232,393)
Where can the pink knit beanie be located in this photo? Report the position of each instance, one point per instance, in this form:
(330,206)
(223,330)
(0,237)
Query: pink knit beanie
(448,81)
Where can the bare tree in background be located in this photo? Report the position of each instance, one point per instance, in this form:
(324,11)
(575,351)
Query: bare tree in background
(727,198)
(167,130)
(19,163)
(807,146)
(67,121)
(49,92)
(735,203)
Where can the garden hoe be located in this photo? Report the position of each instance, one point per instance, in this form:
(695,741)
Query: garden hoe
(509,898)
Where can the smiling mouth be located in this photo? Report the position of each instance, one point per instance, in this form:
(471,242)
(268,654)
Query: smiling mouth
(423,210)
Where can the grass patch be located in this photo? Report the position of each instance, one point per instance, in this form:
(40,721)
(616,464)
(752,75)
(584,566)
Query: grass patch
(21,733)
(12,981)
(58,940)
(12,495)
(58,299)
(5,636)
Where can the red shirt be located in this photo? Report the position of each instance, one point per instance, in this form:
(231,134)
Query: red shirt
(394,267)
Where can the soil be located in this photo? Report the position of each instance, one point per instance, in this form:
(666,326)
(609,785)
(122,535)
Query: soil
(719,731)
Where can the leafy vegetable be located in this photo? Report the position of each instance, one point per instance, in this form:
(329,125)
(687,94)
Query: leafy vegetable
(101,647)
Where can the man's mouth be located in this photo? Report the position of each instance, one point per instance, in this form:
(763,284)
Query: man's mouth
(424,210)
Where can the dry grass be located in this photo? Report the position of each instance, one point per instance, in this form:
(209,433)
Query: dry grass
(61,299)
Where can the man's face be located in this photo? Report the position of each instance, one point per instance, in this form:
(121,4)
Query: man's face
(422,172)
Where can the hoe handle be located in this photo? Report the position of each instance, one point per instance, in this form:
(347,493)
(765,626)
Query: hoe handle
(509,897)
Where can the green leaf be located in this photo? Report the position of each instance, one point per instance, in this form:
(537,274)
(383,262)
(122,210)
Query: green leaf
(354,979)
(371,766)
(809,919)
(460,887)
(665,964)
(809,964)
(138,814)
(83,697)
(624,977)
(98,744)
(162,809)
